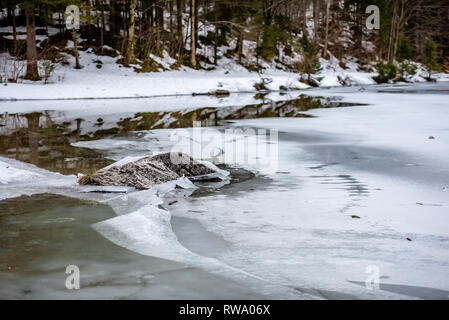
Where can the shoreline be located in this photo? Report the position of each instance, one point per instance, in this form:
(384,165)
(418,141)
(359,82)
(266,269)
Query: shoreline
(112,81)
(208,93)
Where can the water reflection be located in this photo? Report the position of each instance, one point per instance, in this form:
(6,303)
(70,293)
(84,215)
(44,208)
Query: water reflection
(33,137)
(36,139)
(44,138)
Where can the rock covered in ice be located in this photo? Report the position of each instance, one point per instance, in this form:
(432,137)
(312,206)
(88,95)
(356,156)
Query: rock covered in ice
(147,172)
(182,164)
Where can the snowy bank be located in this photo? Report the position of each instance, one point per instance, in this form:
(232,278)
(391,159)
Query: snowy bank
(101,77)
(116,81)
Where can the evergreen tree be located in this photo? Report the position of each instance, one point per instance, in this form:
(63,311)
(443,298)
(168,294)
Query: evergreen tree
(430,59)
(387,71)
(404,53)
(404,50)
(310,63)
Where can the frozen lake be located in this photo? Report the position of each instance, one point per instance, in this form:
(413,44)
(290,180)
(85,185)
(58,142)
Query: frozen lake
(359,188)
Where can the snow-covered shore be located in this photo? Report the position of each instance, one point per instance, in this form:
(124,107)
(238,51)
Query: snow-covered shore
(101,77)
(115,81)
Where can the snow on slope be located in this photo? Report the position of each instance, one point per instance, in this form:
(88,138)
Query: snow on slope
(115,81)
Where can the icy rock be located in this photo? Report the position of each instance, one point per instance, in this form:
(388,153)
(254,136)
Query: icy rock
(147,172)
(182,164)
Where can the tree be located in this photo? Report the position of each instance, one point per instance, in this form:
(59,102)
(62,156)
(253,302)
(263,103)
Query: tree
(430,59)
(316,17)
(326,39)
(14,27)
(100,4)
(132,21)
(310,63)
(404,53)
(270,36)
(179,10)
(32,72)
(193,33)
(386,72)
(404,50)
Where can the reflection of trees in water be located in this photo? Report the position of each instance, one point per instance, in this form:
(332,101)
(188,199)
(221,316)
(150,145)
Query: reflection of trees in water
(213,116)
(33,137)
(37,139)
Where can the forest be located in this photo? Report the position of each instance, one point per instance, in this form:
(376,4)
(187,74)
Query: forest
(293,33)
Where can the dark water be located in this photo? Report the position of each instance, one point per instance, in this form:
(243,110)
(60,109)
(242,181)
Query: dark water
(41,235)
(34,228)
(39,138)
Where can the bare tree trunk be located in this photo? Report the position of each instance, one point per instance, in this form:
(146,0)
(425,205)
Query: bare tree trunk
(304,17)
(179,8)
(257,49)
(192,33)
(358,34)
(102,30)
(419,42)
(268,8)
(159,26)
(216,45)
(89,27)
(399,26)
(196,23)
(240,45)
(326,39)
(32,70)
(315,20)
(14,31)
(75,49)
(216,36)
(393,30)
(132,22)
(170,10)
(112,18)
(60,23)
